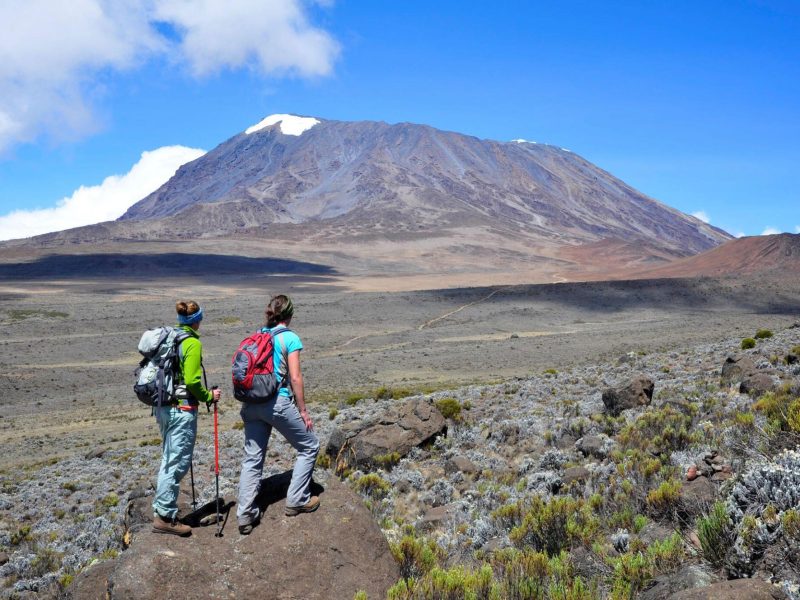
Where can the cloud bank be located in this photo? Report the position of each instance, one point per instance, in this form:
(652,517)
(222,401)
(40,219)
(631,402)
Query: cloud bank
(104,202)
(55,57)
(701,214)
(770,231)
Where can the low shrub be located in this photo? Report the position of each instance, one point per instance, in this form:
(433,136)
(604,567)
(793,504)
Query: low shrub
(373,485)
(664,499)
(549,526)
(332,413)
(763,334)
(748,343)
(415,556)
(450,408)
(715,531)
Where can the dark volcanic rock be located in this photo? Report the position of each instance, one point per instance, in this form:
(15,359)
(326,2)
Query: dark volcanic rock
(736,368)
(399,430)
(738,589)
(331,553)
(639,392)
(758,384)
(595,445)
(697,495)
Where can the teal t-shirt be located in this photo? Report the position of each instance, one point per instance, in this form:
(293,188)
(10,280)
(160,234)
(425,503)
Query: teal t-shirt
(286,342)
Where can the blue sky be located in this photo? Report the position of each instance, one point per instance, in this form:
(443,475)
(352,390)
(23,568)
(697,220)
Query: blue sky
(696,104)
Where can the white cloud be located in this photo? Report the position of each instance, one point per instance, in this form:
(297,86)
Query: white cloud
(770,231)
(701,214)
(272,35)
(797,228)
(104,202)
(53,54)
(740,234)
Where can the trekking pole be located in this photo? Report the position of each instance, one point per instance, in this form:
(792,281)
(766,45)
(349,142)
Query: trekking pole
(216,465)
(191,474)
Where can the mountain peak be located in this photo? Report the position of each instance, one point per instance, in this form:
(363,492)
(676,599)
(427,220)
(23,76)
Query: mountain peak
(289,124)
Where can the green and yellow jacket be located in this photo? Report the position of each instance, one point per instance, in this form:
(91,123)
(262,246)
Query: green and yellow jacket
(191,359)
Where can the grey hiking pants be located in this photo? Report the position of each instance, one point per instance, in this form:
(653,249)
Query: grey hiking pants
(259,419)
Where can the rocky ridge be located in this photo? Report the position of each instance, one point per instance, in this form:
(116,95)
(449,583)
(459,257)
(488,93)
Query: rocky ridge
(703,474)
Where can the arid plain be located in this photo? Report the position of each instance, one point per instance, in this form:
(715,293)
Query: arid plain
(68,347)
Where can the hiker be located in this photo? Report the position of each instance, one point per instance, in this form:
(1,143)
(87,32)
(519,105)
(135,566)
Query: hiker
(177,422)
(287,413)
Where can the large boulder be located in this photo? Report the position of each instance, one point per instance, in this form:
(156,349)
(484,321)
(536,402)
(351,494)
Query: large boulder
(396,432)
(737,589)
(751,380)
(639,392)
(736,368)
(331,553)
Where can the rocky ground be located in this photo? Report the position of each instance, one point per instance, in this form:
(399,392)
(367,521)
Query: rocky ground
(645,475)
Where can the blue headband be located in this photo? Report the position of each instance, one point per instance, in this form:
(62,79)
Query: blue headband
(191,319)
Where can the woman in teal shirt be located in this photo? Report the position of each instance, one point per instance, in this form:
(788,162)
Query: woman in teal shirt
(177,421)
(288,415)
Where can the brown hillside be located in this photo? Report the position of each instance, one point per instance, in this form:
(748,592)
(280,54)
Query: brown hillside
(766,254)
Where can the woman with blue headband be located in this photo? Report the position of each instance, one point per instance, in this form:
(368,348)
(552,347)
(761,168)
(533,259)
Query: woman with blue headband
(178,420)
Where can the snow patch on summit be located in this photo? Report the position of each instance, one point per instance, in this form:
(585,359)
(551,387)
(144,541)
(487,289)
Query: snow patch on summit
(521,141)
(290,124)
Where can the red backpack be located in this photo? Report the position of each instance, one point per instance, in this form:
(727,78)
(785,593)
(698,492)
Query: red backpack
(253,371)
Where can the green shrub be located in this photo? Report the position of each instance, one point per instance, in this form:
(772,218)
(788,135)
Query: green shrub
(360,595)
(46,561)
(332,413)
(781,409)
(415,556)
(748,343)
(387,461)
(110,500)
(238,426)
(549,526)
(790,522)
(324,460)
(796,350)
(373,485)
(450,408)
(664,499)
(715,532)
(23,534)
(354,399)
(763,334)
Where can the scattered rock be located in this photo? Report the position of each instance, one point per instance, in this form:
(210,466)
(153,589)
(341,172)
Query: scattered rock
(438,514)
(574,474)
(758,384)
(792,359)
(3,558)
(654,532)
(460,464)
(595,445)
(338,549)
(688,578)
(697,495)
(95,453)
(691,473)
(737,589)
(639,392)
(398,431)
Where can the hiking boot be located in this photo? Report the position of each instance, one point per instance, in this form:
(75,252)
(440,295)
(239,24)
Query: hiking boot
(310,506)
(171,526)
(247,528)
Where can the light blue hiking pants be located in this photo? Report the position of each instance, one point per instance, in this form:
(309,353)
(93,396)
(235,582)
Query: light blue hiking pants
(178,431)
(259,419)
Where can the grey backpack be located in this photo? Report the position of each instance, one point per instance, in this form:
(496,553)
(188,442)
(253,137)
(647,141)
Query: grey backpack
(155,377)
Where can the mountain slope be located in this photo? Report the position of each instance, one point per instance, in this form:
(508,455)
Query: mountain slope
(777,254)
(368,178)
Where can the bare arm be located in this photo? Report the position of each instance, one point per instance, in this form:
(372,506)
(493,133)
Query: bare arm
(296,380)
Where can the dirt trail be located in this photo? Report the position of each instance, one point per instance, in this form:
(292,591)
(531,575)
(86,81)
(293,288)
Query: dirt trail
(459,309)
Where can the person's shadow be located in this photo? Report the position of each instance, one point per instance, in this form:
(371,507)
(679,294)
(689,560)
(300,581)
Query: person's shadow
(274,488)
